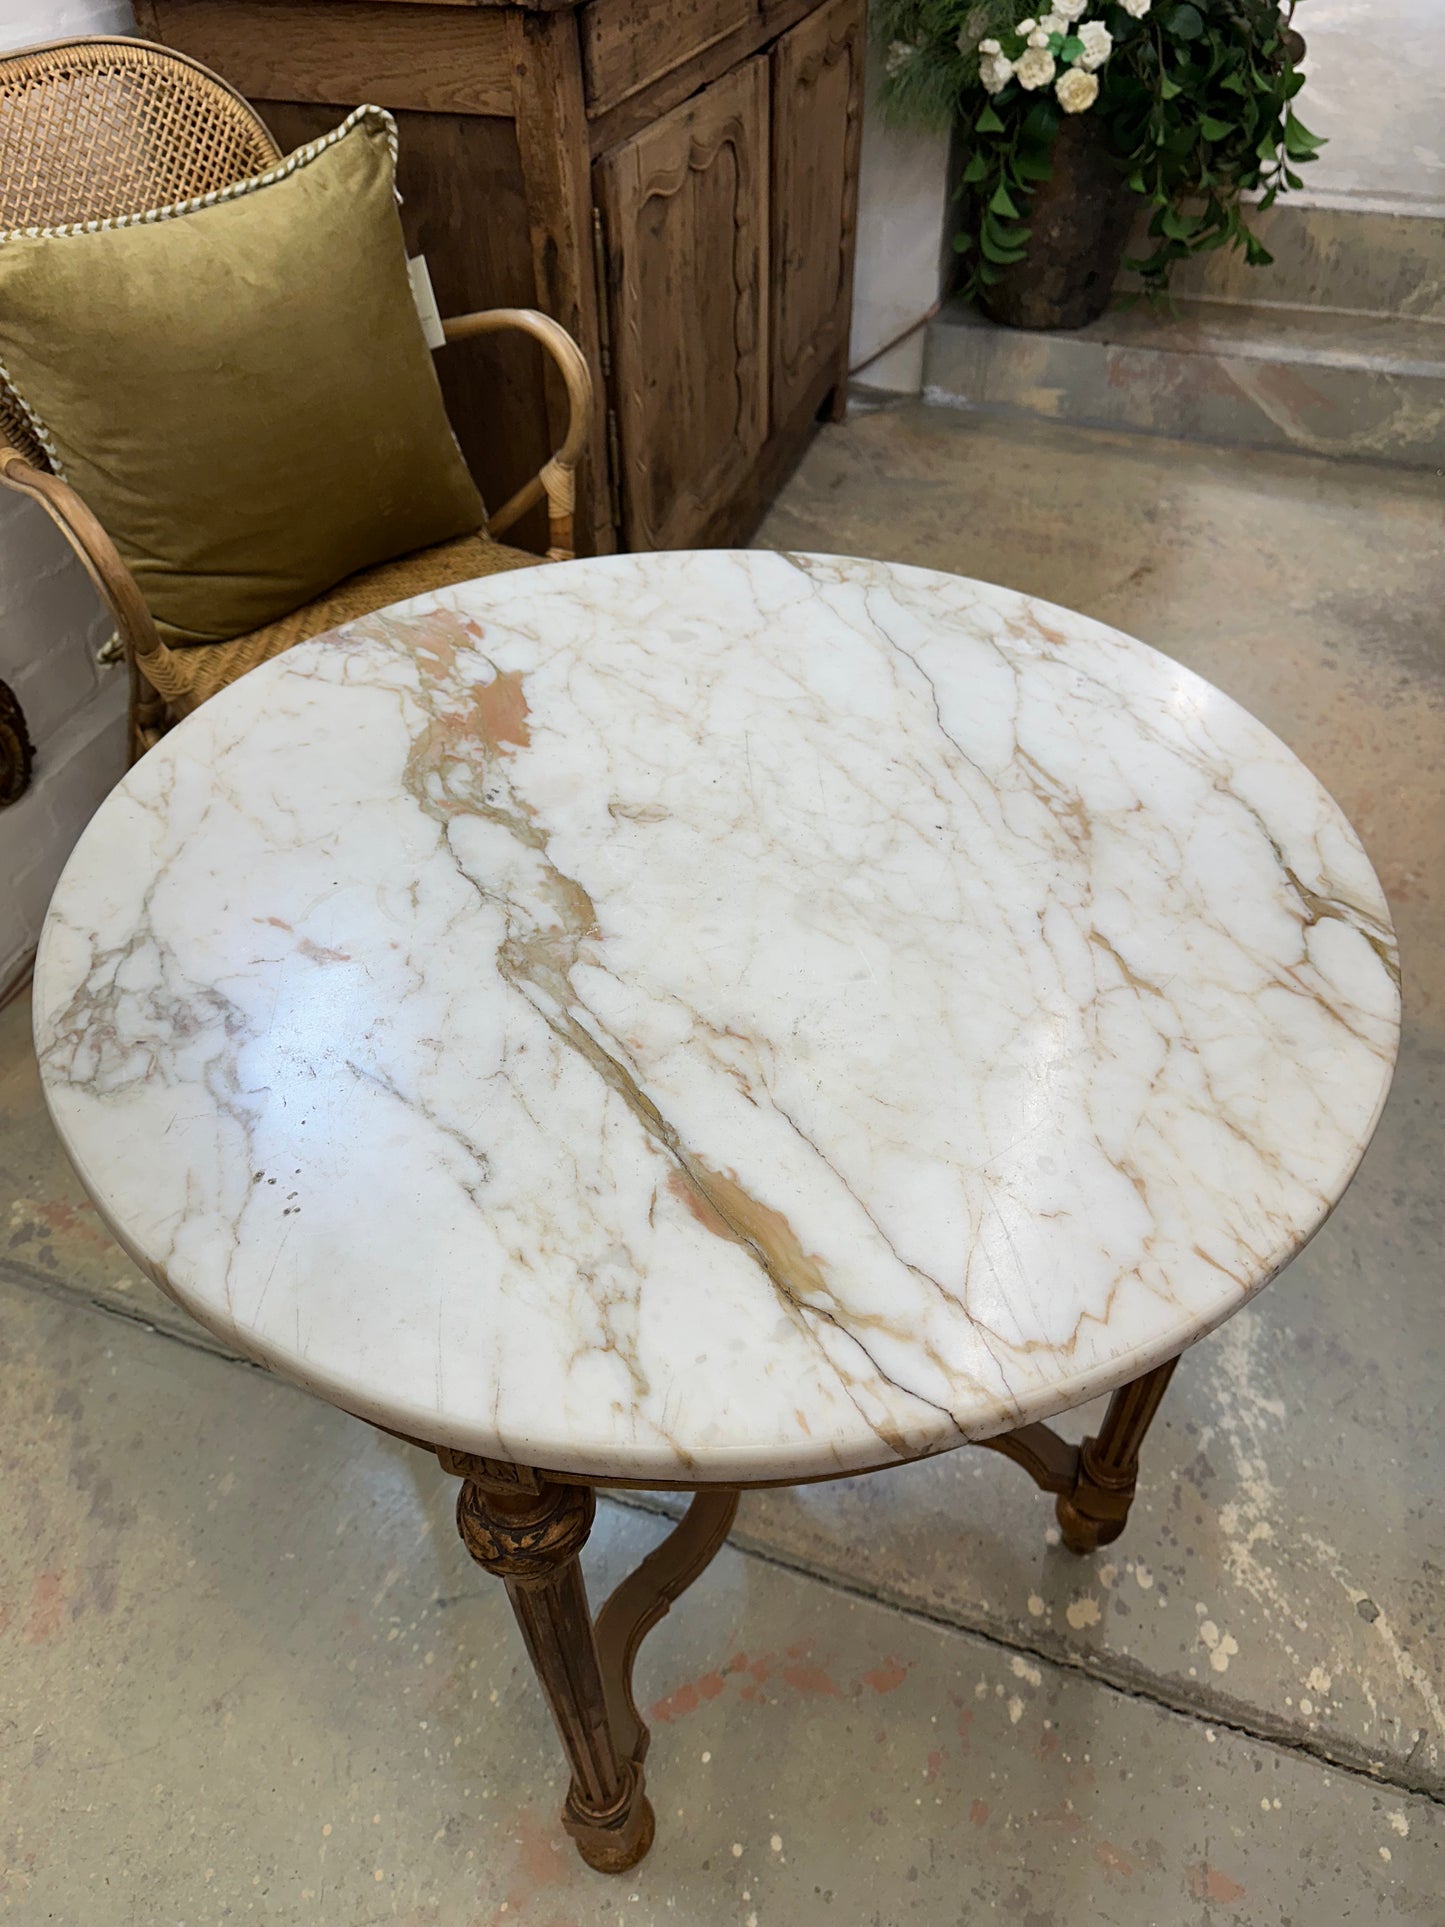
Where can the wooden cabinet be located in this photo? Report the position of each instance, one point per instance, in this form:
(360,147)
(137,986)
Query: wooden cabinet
(674,180)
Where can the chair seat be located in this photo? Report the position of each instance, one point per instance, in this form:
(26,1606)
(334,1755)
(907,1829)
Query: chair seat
(214,665)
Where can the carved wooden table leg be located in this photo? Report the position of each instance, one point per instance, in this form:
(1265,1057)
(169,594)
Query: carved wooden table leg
(529,1530)
(529,1533)
(1095,1511)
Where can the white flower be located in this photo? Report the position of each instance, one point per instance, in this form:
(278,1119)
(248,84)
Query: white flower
(1053,23)
(899,55)
(1035,68)
(989,47)
(1026,27)
(1071,9)
(1098,44)
(996,71)
(1137,8)
(1038,38)
(1076,90)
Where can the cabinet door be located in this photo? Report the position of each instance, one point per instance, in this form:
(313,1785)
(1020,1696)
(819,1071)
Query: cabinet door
(816,127)
(685,219)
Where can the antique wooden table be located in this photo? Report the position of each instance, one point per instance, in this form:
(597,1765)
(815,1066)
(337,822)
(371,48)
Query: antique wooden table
(710,1019)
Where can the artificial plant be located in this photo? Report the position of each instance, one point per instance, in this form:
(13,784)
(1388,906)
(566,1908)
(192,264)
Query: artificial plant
(1193,100)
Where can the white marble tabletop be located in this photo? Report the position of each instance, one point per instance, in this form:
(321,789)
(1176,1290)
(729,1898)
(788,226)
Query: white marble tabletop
(716,1016)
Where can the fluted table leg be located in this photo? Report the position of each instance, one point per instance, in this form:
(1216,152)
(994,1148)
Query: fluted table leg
(1096,1510)
(529,1531)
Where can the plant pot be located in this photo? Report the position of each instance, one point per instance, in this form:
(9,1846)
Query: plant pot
(1079,221)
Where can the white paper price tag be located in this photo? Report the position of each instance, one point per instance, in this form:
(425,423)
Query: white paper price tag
(426,302)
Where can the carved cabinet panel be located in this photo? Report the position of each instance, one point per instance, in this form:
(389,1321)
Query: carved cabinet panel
(685,217)
(816,130)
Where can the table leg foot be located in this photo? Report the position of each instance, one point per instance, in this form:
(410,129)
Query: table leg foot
(1080,1533)
(529,1531)
(614,1846)
(1096,1510)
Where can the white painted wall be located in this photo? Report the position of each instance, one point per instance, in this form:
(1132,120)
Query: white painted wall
(51,624)
(901,194)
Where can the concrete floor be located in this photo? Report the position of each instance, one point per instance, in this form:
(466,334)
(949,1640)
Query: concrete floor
(247,1672)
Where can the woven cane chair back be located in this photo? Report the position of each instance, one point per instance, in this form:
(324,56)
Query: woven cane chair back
(94,128)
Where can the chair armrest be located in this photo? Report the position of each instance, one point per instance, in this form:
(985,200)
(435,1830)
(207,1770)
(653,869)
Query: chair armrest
(557,478)
(102,563)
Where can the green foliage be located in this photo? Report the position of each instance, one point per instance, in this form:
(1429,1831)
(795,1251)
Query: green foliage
(927,90)
(1195,101)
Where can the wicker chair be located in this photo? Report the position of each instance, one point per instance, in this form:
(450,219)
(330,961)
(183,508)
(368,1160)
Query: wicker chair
(103,126)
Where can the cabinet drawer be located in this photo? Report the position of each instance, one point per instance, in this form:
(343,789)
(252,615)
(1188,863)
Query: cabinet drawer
(626,44)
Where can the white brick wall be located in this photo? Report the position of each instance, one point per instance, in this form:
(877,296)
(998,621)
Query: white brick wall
(51,624)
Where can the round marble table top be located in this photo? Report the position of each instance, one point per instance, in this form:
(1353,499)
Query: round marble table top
(716,1016)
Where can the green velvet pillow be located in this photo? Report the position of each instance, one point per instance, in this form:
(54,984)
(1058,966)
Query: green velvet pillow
(239,387)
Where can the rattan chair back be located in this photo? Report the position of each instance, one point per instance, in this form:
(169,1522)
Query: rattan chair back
(90,129)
